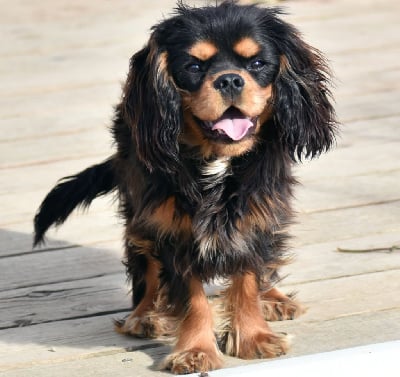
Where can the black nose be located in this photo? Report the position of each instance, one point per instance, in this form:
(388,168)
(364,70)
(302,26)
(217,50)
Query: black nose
(229,84)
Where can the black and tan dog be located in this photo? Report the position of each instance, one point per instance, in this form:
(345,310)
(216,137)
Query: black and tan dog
(216,108)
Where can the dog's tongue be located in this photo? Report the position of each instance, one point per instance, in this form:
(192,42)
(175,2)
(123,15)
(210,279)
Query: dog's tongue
(235,128)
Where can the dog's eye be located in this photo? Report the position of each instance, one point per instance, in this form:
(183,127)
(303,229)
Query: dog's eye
(193,68)
(257,65)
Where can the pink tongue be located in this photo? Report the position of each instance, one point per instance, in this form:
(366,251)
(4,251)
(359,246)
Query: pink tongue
(236,129)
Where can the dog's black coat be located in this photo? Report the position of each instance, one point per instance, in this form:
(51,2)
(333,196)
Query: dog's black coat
(152,162)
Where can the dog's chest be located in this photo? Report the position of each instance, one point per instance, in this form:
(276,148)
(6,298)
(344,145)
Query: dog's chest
(214,173)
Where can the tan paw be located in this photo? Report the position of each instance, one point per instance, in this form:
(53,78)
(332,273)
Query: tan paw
(147,326)
(263,345)
(281,311)
(260,344)
(192,361)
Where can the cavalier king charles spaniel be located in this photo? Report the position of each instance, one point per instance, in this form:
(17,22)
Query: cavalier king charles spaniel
(217,107)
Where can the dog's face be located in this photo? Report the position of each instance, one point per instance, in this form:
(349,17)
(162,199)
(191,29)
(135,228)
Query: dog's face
(213,77)
(224,67)
(226,87)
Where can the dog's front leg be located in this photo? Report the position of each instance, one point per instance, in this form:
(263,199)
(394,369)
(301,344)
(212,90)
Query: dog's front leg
(246,334)
(196,349)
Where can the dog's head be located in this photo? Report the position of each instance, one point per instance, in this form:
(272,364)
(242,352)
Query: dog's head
(214,77)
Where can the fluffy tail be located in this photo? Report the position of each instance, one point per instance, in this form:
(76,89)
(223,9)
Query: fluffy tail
(71,192)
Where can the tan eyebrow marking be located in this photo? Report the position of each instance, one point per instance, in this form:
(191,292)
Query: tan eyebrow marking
(203,50)
(247,47)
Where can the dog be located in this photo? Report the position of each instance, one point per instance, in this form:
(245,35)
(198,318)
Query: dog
(216,108)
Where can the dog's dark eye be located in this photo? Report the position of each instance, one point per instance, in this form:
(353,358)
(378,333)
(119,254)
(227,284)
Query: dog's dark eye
(193,68)
(257,65)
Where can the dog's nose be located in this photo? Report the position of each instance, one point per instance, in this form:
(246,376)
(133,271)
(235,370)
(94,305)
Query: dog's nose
(229,84)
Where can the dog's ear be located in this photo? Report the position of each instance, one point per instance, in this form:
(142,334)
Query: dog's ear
(302,99)
(152,107)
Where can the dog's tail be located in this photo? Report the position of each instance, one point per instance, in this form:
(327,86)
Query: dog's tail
(75,191)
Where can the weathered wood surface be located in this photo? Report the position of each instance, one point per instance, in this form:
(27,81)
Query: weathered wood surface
(61,69)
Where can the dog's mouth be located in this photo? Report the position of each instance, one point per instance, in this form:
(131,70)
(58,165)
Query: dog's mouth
(231,125)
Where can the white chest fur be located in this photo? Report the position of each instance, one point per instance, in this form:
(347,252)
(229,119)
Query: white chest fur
(214,174)
(215,171)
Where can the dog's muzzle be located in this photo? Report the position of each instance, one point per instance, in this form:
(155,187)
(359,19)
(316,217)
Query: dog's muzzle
(230,85)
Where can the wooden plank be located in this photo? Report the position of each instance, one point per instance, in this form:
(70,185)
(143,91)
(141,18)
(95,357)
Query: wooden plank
(104,25)
(24,212)
(355,30)
(88,67)
(80,229)
(348,160)
(349,296)
(14,243)
(60,265)
(138,364)
(353,73)
(63,147)
(43,176)
(317,262)
(311,337)
(96,99)
(55,125)
(373,131)
(66,300)
(365,106)
(305,12)
(58,342)
(347,223)
(322,195)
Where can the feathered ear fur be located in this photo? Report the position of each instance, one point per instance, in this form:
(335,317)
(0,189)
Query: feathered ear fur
(152,108)
(302,98)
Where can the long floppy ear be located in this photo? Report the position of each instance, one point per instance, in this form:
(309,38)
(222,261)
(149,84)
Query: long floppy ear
(302,98)
(152,107)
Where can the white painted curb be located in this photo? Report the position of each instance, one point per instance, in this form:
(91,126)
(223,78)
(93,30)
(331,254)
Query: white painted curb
(377,360)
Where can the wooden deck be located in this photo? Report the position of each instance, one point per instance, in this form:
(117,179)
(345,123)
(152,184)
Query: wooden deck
(61,67)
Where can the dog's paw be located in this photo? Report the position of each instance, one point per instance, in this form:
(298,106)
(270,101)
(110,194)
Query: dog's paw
(191,361)
(281,310)
(258,344)
(147,326)
(263,345)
